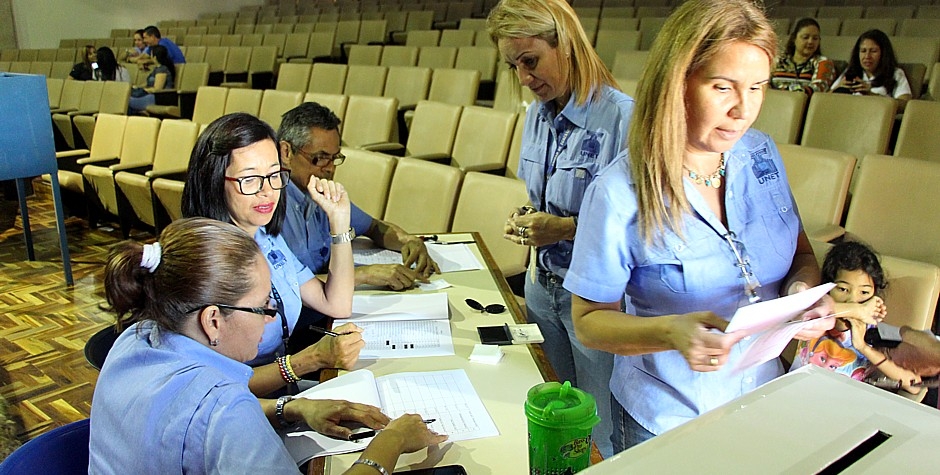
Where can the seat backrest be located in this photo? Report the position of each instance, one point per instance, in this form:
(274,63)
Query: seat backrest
(72,94)
(114,97)
(170,194)
(367,177)
(896,12)
(239,57)
(395,55)
(334,102)
(610,42)
(857,26)
(276,40)
(293,77)
(912,292)
(893,207)
(109,136)
(197,75)
(781,115)
(366,55)
(365,80)
(915,138)
(407,84)
(919,27)
(649,29)
(433,129)
(275,103)
(263,59)
(420,20)
(483,138)
(515,147)
(629,64)
(819,180)
(422,196)
(254,39)
(457,38)
(435,57)
(836,48)
(41,68)
(217,56)
(327,78)
(140,140)
(347,31)
(840,11)
(423,38)
(454,86)
(321,43)
(295,46)
(61,69)
(933,84)
(369,120)
(210,104)
(485,201)
(231,40)
(372,31)
(174,145)
(915,74)
(916,49)
(857,125)
(46,453)
(197,54)
(91,96)
(243,100)
(480,58)
(54,89)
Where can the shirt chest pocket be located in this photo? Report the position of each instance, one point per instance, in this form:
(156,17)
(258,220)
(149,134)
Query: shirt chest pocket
(693,267)
(568,183)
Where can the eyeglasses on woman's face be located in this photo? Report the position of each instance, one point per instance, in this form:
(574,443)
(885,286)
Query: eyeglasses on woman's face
(269,311)
(253,184)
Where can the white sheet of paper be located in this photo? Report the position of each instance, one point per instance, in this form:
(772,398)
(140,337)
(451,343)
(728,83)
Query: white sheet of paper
(447,396)
(434,285)
(769,322)
(389,307)
(406,339)
(370,256)
(453,257)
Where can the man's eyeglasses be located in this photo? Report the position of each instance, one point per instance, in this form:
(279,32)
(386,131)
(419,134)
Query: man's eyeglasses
(323,159)
(751,284)
(269,311)
(252,184)
(492,308)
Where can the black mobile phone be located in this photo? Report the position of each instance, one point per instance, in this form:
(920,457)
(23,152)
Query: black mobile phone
(445,470)
(883,336)
(495,335)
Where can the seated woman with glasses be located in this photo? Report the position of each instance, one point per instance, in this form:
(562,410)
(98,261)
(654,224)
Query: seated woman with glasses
(172,396)
(236,176)
(695,221)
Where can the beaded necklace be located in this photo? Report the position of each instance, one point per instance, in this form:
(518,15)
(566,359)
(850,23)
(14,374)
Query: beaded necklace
(713,180)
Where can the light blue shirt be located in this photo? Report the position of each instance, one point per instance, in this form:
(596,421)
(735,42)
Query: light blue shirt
(695,274)
(165,404)
(287,275)
(307,228)
(590,136)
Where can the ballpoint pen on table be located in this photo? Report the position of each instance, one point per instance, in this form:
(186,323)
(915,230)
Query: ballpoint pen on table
(326,332)
(373,432)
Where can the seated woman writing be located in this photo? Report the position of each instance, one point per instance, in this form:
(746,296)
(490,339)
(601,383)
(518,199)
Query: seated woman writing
(873,70)
(173,395)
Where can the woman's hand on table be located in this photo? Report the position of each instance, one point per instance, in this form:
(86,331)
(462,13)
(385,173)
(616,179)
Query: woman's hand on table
(393,276)
(413,433)
(415,252)
(693,335)
(332,198)
(538,229)
(326,415)
(334,351)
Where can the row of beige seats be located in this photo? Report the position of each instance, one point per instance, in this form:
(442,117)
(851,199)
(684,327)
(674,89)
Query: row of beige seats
(895,9)
(83,100)
(69,55)
(895,223)
(857,26)
(49,69)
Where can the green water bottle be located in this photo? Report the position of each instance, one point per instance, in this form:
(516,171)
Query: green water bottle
(560,422)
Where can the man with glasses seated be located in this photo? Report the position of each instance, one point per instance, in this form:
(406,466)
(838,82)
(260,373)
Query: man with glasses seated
(310,146)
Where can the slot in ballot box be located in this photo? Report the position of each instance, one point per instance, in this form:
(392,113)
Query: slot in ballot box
(808,421)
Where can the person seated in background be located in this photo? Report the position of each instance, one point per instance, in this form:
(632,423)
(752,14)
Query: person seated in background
(310,145)
(173,395)
(152,38)
(163,76)
(108,67)
(139,51)
(873,70)
(83,71)
(802,67)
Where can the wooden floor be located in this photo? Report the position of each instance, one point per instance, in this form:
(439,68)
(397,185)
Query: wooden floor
(43,323)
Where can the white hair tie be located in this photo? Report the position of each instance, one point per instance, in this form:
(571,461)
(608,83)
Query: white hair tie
(151,257)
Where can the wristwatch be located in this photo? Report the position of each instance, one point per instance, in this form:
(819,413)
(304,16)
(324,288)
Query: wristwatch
(279,410)
(348,236)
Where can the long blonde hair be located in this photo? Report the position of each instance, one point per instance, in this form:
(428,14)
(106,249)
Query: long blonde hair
(695,32)
(555,22)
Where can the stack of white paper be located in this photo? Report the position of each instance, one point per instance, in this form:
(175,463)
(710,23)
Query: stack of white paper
(403,325)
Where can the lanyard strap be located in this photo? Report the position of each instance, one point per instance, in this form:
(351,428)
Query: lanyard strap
(285,331)
(551,165)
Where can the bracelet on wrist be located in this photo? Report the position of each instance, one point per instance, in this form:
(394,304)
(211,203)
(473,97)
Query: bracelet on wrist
(279,410)
(341,238)
(286,372)
(373,464)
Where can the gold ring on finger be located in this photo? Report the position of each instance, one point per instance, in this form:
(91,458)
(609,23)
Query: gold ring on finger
(713,361)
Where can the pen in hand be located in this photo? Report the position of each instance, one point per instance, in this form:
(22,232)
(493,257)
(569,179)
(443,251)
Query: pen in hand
(373,432)
(327,332)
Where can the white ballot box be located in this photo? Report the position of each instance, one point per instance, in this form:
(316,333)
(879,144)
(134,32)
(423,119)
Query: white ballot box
(806,422)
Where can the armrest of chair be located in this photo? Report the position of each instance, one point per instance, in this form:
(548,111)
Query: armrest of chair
(75,113)
(77,153)
(827,233)
(381,146)
(131,168)
(484,168)
(100,161)
(68,160)
(179,175)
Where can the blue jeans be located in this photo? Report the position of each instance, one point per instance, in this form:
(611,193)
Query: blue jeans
(549,305)
(137,105)
(627,431)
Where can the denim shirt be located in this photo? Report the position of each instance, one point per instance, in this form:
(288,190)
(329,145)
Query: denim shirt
(287,275)
(679,276)
(590,136)
(307,228)
(165,403)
